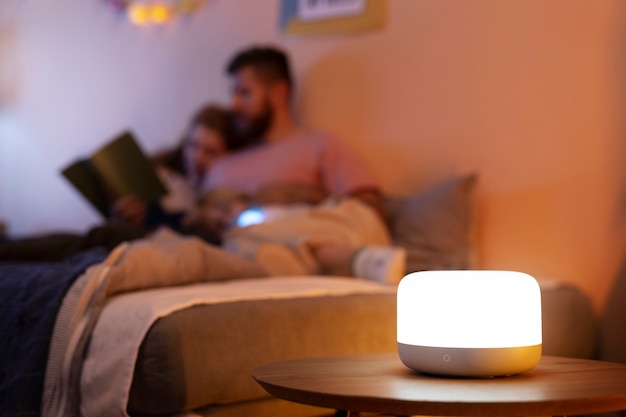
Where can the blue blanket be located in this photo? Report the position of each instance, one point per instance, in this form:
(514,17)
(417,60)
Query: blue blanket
(30,297)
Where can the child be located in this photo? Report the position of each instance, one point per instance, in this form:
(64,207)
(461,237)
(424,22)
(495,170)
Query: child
(209,135)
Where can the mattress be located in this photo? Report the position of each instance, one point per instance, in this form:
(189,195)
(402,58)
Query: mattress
(201,357)
(167,350)
(210,351)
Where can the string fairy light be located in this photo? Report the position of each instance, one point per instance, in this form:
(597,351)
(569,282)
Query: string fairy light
(145,12)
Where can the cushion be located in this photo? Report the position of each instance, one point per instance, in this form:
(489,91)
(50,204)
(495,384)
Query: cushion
(435,226)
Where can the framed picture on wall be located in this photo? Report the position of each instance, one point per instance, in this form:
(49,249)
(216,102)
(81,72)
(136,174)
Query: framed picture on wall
(324,17)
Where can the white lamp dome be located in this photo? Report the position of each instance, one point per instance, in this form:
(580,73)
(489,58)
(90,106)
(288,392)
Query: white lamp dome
(469,323)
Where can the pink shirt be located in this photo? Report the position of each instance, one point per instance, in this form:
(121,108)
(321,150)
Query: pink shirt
(306,158)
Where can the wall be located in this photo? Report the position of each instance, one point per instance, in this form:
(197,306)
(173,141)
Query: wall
(529,93)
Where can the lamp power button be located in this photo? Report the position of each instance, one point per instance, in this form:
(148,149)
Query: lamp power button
(447,358)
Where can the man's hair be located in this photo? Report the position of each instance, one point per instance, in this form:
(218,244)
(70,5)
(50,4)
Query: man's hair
(270,64)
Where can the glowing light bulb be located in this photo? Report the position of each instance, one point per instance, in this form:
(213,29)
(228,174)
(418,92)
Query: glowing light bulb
(160,13)
(139,14)
(250,217)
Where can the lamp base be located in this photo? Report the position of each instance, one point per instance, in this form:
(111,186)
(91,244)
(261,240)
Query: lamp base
(470,362)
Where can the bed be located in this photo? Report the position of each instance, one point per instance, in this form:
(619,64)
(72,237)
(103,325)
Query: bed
(170,325)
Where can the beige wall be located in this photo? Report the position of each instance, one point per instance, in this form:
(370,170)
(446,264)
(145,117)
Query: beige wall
(529,93)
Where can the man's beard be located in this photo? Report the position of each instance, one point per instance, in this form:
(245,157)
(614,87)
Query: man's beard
(254,129)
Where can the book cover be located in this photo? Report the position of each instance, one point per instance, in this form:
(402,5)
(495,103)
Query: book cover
(117,169)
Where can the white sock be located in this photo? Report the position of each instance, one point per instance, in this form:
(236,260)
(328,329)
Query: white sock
(380,263)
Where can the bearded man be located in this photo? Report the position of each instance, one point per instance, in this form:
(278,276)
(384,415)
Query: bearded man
(282,154)
(342,230)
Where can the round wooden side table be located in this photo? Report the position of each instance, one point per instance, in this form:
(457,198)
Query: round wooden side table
(382,384)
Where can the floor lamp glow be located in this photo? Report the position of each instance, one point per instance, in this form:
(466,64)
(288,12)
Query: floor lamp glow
(469,323)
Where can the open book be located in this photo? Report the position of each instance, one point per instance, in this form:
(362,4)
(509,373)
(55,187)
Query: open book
(117,169)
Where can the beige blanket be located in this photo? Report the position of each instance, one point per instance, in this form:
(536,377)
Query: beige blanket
(165,259)
(346,222)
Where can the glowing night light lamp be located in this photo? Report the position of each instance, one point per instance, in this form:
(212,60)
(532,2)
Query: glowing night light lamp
(469,323)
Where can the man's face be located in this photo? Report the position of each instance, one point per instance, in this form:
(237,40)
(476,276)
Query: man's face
(251,104)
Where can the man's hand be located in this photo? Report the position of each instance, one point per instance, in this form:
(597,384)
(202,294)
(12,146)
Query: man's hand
(289,193)
(130,209)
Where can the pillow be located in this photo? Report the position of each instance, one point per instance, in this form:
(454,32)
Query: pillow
(436,226)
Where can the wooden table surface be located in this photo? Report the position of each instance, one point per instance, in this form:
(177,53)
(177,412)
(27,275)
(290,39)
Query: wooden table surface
(382,384)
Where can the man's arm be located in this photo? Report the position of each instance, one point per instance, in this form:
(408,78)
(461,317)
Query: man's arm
(289,193)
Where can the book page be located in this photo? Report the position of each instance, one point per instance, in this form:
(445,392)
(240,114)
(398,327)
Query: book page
(126,170)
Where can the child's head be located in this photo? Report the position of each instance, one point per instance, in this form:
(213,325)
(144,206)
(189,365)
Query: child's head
(210,135)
